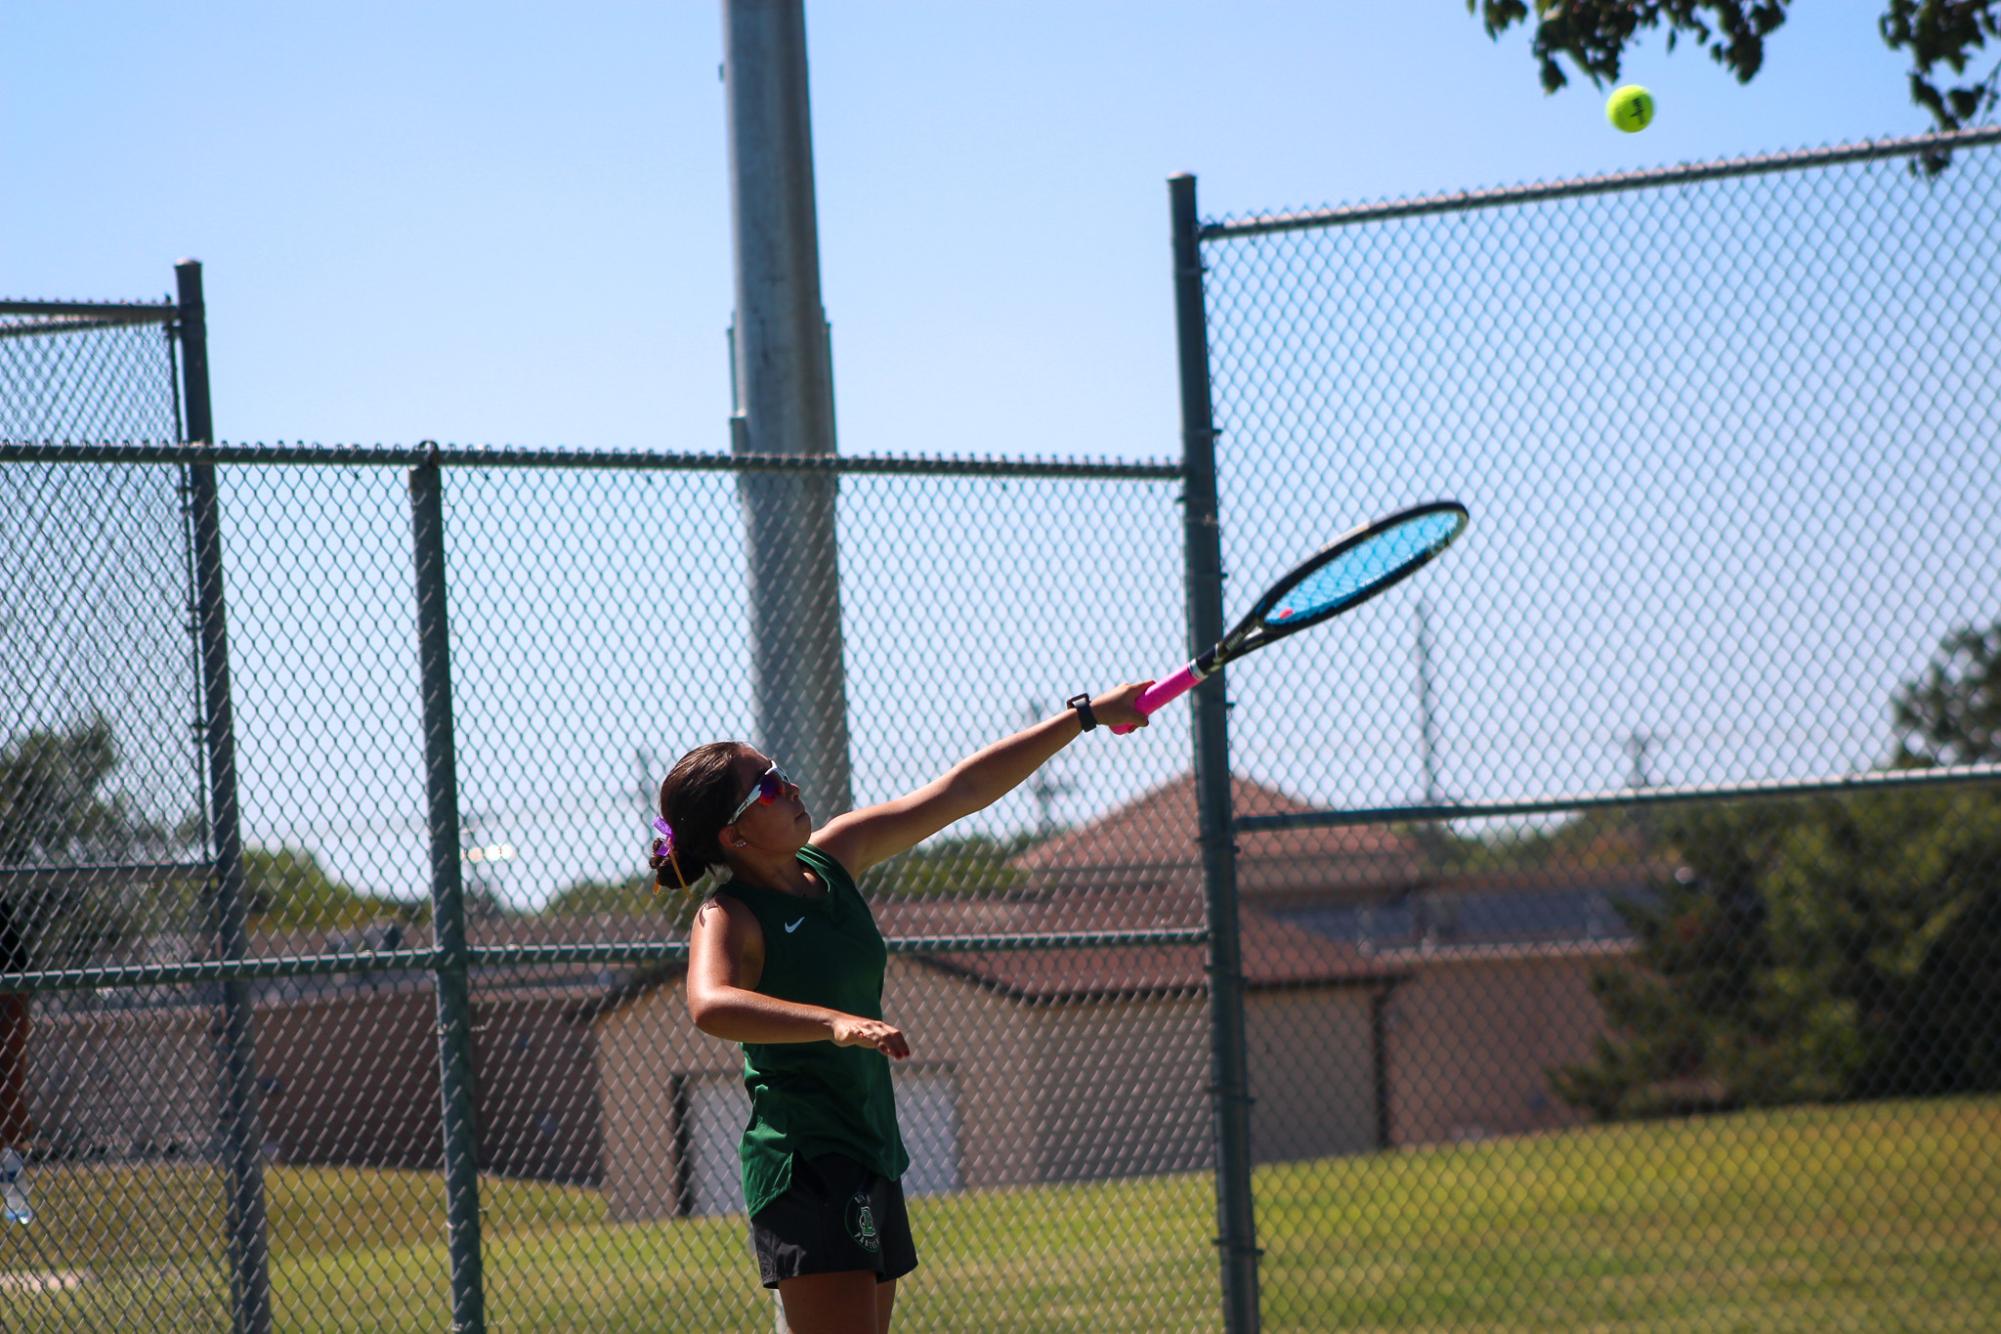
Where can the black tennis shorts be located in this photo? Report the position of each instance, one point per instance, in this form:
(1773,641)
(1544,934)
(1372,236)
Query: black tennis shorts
(836,1216)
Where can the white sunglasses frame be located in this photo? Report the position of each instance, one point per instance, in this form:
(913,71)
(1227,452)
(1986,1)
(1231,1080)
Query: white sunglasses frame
(756,789)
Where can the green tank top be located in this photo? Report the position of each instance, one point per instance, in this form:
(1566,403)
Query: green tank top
(814,1097)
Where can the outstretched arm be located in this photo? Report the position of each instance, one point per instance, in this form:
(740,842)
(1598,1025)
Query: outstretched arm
(860,839)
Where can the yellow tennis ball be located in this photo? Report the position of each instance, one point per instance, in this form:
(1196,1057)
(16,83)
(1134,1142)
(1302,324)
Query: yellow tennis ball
(1630,108)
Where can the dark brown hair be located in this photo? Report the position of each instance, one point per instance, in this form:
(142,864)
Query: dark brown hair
(695,800)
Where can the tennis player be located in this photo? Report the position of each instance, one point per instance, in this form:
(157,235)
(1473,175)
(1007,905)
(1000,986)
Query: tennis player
(785,958)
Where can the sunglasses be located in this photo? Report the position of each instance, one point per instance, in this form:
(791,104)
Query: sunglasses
(771,785)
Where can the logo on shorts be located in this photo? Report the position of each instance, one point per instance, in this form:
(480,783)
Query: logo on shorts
(861,1223)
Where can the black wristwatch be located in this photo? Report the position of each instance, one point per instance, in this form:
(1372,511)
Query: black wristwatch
(1082,703)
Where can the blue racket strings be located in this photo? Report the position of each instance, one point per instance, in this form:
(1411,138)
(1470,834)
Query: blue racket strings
(1378,559)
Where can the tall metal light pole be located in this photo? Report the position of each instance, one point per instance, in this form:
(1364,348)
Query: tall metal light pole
(784,402)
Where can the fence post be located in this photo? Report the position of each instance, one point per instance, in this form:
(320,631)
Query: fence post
(250,1279)
(455,1071)
(1229,1075)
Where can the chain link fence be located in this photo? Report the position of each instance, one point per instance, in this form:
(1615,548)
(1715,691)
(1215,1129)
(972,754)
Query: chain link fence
(104,853)
(593,607)
(1681,890)
(1615,903)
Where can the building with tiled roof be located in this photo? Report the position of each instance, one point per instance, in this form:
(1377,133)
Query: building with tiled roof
(1153,840)
(1033,1063)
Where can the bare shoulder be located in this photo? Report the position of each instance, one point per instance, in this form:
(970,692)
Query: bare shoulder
(844,838)
(726,941)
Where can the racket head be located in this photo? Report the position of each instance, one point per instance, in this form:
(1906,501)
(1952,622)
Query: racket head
(1354,568)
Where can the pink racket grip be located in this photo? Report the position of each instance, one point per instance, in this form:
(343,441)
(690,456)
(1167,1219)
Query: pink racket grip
(1163,692)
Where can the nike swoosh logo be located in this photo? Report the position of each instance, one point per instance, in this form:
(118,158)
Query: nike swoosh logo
(790,927)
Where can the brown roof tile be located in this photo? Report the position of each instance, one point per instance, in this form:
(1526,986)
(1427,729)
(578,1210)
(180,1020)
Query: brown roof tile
(1274,953)
(1153,839)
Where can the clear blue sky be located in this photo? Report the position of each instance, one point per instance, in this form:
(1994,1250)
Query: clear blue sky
(509,224)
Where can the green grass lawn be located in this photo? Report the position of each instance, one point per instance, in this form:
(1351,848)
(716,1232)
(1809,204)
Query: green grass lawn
(1868,1217)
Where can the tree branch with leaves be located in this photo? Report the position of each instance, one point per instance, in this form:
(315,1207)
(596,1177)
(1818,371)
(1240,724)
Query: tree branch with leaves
(1942,37)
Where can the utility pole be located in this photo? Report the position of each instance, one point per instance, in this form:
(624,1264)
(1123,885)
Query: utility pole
(1044,788)
(1427,720)
(647,788)
(1637,746)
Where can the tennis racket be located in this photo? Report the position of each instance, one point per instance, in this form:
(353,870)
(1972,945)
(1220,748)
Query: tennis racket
(1339,577)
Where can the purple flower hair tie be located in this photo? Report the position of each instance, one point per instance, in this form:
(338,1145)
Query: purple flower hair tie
(664,847)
